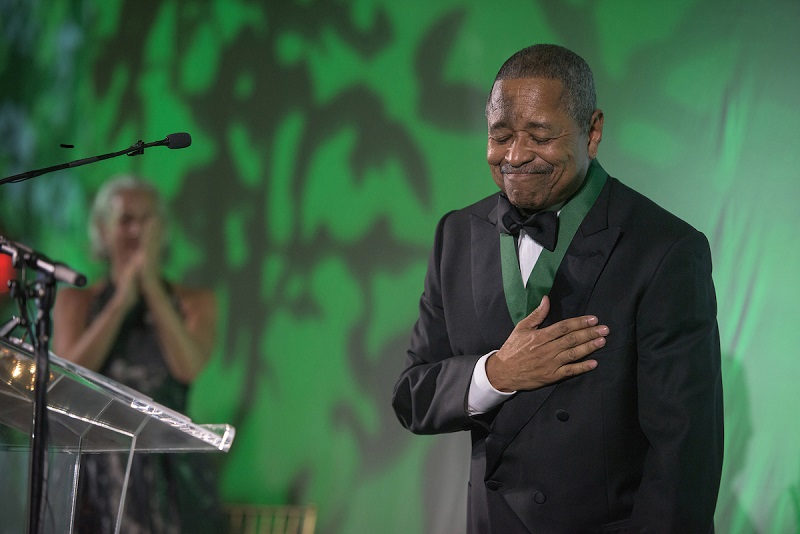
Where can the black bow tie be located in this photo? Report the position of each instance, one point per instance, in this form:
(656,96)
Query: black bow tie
(541,226)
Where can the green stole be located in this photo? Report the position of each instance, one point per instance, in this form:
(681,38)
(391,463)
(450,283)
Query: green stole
(523,299)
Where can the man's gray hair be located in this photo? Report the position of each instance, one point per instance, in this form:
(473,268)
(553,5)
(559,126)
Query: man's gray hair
(556,63)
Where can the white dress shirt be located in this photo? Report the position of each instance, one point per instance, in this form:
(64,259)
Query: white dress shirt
(482,396)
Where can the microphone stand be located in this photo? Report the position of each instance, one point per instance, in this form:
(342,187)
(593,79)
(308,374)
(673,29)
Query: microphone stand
(44,291)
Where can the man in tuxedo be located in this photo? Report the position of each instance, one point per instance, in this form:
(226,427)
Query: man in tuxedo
(569,323)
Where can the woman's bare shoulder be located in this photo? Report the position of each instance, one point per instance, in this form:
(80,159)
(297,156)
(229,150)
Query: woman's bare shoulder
(195,297)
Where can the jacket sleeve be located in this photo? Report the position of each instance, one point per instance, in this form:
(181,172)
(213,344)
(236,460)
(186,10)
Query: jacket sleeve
(680,393)
(430,396)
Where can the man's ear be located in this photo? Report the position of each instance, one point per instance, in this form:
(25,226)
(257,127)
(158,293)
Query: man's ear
(595,132)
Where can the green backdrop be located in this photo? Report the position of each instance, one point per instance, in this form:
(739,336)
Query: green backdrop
(330,136)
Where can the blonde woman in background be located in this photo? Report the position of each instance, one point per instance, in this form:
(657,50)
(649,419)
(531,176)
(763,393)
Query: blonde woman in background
(151,335)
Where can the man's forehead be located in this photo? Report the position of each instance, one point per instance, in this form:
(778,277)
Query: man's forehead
(505,92)
(512,96)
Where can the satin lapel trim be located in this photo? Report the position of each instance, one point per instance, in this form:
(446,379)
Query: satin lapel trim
(574,282)
(487,282)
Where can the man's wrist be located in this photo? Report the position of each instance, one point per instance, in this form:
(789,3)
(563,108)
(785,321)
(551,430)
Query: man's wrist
(483,396)
(492,375)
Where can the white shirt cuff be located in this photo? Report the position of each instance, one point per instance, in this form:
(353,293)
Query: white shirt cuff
(482,396)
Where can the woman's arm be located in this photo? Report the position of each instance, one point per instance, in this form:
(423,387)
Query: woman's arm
(188,340)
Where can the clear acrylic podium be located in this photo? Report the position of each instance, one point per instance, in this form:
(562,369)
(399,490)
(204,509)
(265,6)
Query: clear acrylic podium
(87,413)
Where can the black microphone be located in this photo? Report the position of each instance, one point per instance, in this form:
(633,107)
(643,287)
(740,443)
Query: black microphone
(179,140)
(172,141)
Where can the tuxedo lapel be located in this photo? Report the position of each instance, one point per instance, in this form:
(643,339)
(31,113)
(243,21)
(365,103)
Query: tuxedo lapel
(487,281)
(572,287)
(584,261)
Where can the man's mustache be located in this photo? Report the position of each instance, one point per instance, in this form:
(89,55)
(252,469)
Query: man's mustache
(526,169)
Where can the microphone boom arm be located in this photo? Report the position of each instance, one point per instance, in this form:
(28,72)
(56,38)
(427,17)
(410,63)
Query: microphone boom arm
(176,140)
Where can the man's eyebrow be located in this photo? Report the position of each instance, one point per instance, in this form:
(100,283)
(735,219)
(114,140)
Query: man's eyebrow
(532,125)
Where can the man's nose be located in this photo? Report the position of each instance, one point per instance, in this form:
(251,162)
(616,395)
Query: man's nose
(520,152)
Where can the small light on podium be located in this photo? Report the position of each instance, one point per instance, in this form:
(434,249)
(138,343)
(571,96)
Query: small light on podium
(17,373)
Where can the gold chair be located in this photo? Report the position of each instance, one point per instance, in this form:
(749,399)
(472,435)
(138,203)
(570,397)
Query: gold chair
(271,519)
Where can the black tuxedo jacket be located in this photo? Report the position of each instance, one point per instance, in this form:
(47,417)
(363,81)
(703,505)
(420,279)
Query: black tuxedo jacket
(634,445)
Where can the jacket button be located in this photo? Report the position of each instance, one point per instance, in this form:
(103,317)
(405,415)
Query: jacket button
(539,497)
(562,415)
(493,485)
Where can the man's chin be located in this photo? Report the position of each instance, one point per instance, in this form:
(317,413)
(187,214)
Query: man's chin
(526,203)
